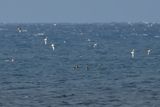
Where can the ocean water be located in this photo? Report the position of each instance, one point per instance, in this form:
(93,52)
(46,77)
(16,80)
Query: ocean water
(91,65)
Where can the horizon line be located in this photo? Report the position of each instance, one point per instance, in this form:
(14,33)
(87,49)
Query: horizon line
(114,22)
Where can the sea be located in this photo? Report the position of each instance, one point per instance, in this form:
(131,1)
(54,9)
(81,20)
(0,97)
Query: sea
(90,65)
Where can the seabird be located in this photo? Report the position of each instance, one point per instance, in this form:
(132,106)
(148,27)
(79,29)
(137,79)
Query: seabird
(19,29)
(45,41)
(148,51)
(94,45)
(53,46)
(76,67)
(132,53)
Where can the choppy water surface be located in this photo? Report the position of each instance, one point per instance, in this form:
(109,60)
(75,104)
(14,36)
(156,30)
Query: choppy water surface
(91,65)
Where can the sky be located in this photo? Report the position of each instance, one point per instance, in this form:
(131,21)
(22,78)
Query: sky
(79,11)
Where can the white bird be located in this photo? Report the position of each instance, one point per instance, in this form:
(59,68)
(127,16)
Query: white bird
(9,60)
(53,46)
(19,29)
(94,45)
(148,51)
(45,41)
(12,60)
(132,53)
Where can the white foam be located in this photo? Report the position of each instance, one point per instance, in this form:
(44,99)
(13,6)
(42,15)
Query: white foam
(24,30)
(157,36)
(39,34)
(88,40)
(2,29)
(145,34)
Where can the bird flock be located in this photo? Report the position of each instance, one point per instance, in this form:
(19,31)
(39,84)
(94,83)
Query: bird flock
(52,45)
(19,29)
(133,52)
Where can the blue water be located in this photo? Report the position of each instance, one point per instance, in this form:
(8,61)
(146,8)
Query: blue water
(33,75)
